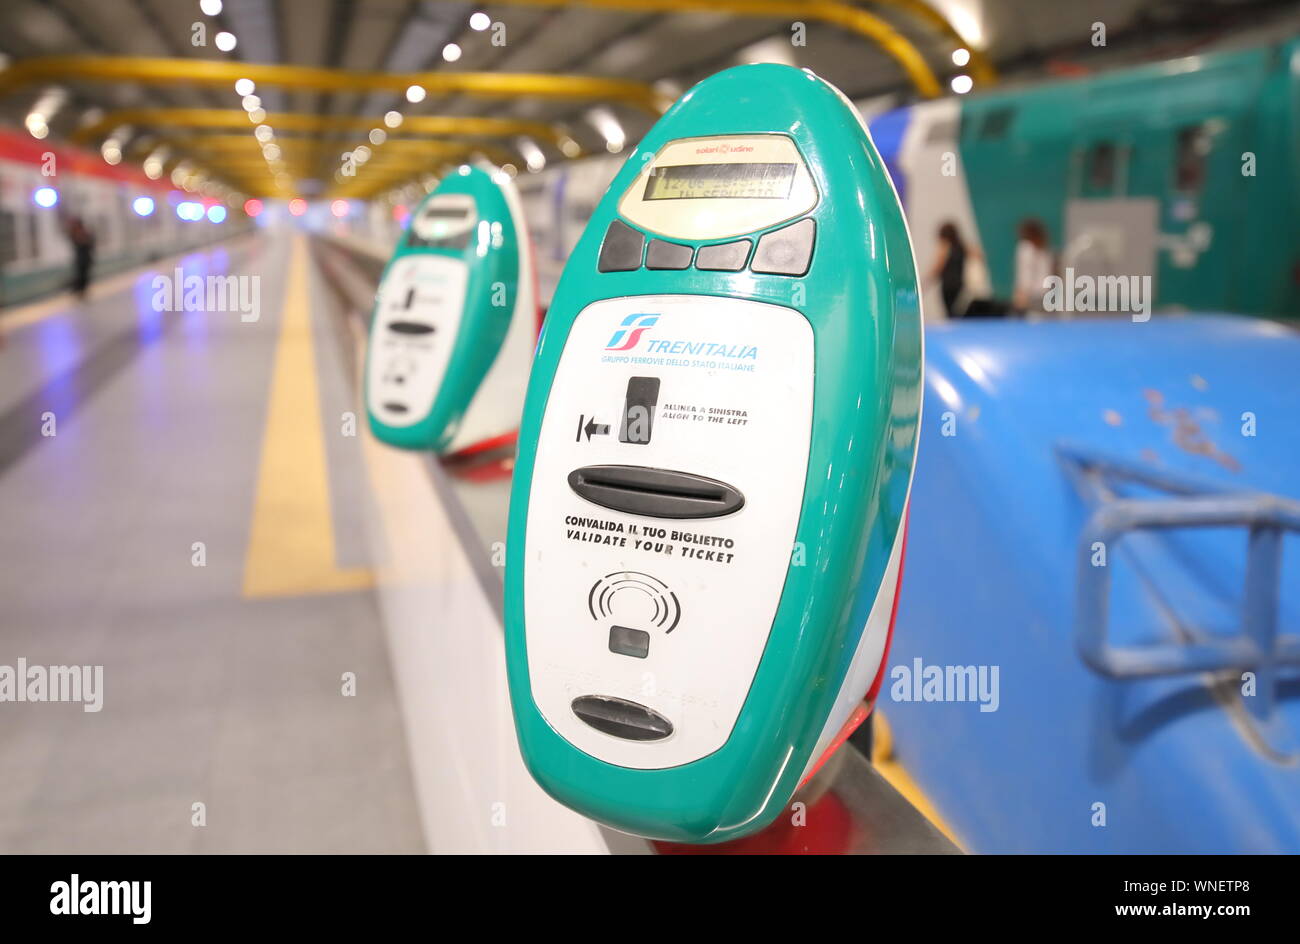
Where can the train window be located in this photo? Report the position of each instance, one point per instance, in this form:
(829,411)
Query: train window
(1194,144)
(941,132)
(1101,166)
(996,123)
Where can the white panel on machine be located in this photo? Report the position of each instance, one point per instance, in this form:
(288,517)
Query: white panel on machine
(669,615)
(419,312)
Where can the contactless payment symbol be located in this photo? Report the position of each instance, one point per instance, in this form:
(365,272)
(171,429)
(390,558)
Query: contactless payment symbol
(631,593)
(629,334)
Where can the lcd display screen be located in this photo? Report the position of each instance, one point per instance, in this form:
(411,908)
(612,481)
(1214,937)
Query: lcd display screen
(753,181)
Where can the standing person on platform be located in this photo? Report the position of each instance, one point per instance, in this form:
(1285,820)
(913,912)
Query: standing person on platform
(1034,264)
(949,269)
(83,254)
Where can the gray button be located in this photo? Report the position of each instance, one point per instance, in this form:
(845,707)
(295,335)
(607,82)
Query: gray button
(724,257)
(629,642)
(787,251)
(621,250)
(622,718)
(664,255)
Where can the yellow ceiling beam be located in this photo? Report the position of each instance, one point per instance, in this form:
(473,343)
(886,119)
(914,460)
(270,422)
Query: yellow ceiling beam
(235,176)
(224,119)
(366,171)
(224,73)
(235,154)
(848,16)
(261,183)
(413,159)
(236,143)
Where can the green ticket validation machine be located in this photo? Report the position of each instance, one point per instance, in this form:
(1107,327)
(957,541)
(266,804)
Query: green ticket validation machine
(454,324)
(716,452)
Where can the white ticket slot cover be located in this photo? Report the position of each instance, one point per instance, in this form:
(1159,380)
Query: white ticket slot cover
(418,315)
(695,406)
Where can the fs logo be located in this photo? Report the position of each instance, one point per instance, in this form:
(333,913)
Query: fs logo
(633,326)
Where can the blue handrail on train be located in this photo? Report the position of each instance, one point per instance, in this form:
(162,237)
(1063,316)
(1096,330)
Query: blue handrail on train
(1191,503)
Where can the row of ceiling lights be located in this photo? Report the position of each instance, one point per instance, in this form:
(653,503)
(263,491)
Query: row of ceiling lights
(184,174)
(263,133)
(246,89)
(601,118)
(225,42)
(350,161)
(962,83)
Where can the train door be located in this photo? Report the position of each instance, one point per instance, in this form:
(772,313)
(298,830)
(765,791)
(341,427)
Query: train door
(1111,228)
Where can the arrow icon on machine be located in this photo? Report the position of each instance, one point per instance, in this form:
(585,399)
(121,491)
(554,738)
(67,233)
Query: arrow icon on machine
(591,429)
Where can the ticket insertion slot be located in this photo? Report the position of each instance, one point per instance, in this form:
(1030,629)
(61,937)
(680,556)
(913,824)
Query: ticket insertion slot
(658,493)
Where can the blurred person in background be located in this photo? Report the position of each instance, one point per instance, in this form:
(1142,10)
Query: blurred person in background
(949,269)
(1034,263)
(83,254)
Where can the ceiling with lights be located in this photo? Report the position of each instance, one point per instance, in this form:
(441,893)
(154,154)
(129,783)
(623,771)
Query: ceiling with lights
(361,98)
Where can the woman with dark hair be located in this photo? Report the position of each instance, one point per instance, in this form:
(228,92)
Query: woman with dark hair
(1034,264)
(949,268)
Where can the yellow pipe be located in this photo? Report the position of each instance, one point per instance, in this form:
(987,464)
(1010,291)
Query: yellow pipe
(216,118)
(220,72)
(233,175)
(233,154)
(846,15)
(367,172)
(382,172)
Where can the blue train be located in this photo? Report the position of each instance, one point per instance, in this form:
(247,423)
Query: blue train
(1097,646)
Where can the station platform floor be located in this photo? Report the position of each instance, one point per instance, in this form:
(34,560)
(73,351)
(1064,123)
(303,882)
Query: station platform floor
(178,495)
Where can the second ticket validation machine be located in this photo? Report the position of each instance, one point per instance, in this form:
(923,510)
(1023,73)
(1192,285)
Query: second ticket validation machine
(708,509)
(454,325)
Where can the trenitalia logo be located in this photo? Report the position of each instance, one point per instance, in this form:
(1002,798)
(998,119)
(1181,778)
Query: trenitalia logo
(633,326)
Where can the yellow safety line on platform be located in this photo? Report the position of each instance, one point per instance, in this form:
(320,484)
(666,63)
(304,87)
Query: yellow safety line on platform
(291,540)
(887,764)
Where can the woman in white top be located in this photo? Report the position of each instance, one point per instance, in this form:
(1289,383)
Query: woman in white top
(1034,264)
